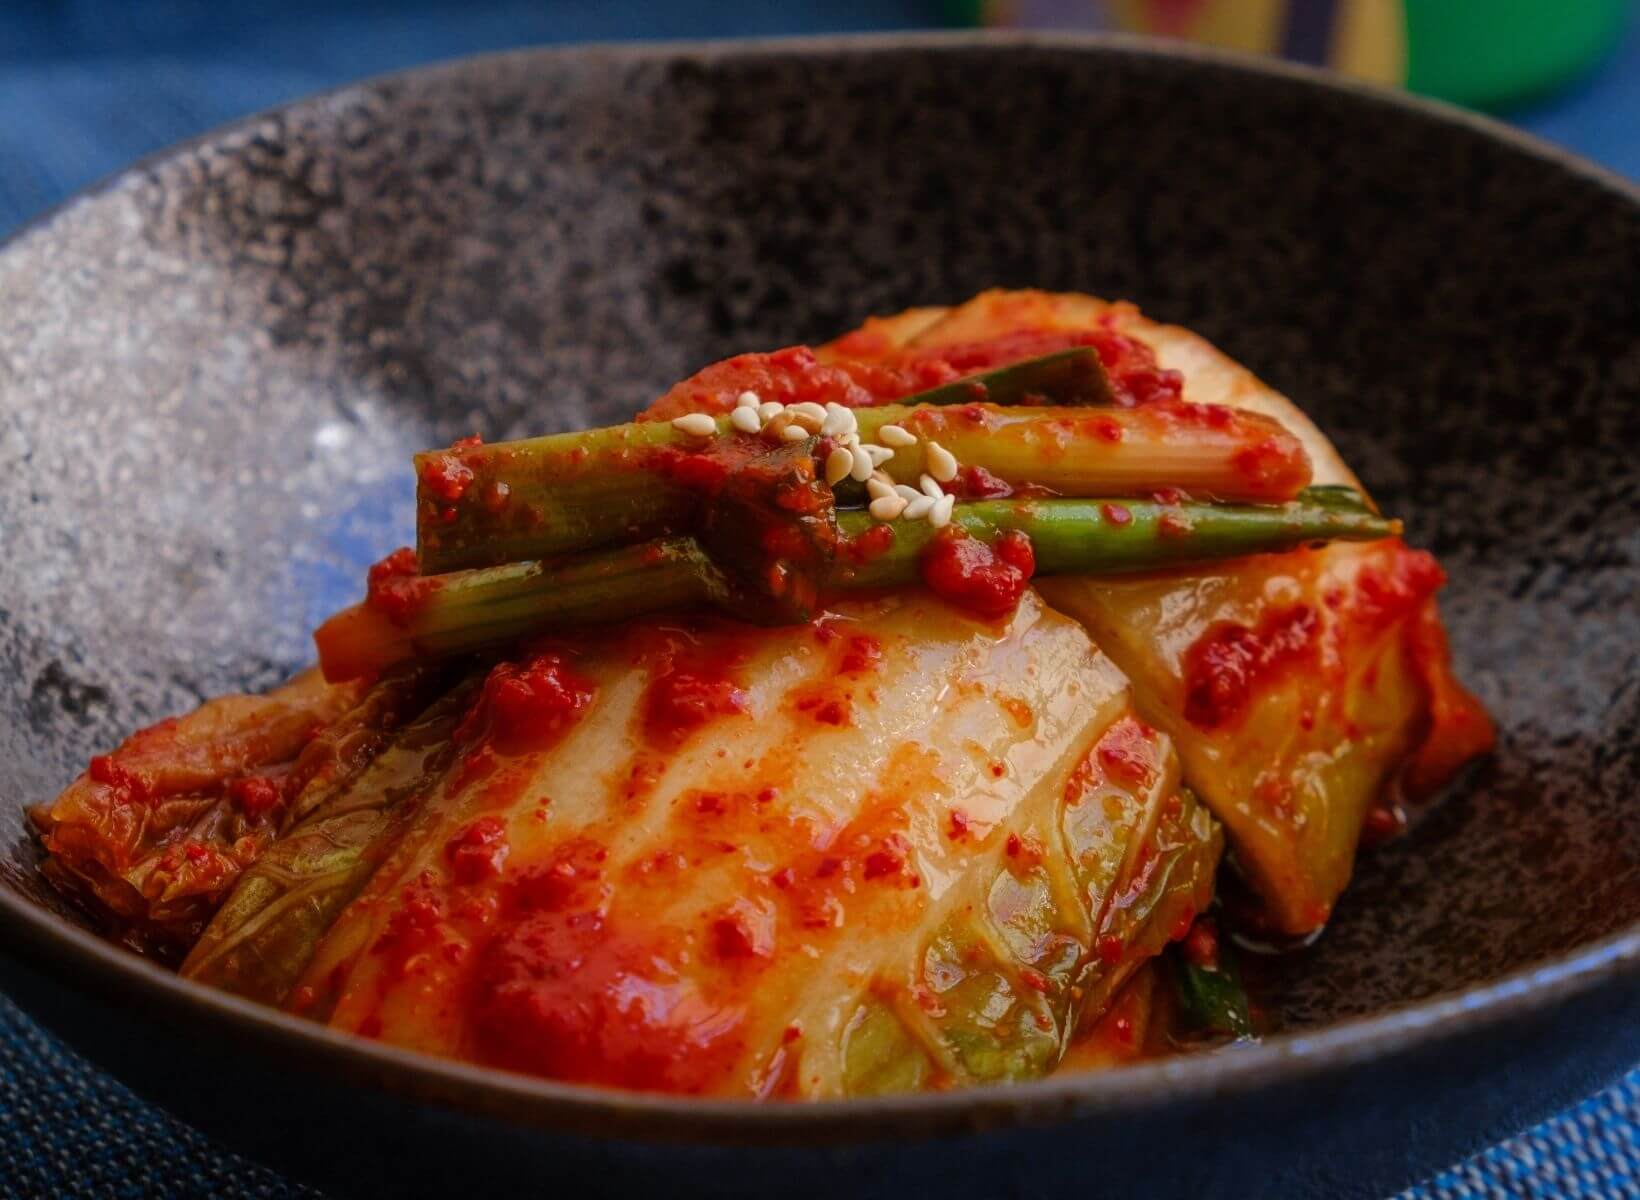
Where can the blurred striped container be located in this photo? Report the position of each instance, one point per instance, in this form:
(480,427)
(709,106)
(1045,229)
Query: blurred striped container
(1483,53)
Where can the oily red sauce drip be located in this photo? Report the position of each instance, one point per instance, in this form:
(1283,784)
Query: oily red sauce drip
(1127,753)
(867,544)
(416,926)
(689,688)
(572,877)
(1084,778)
(1228,663)
(1386,595)
(830,699)
(888,860)
(529,705)
(396,589)
(446,477)
(1276,463)
(1174,524)
(569,991)
(478,851)
(976,483)
(974,575)
(745,931)
(817,884)
(863,653)
(825,705)
(128,785)
(256,795)
(1025,850)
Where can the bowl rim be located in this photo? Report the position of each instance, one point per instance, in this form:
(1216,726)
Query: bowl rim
(47,942)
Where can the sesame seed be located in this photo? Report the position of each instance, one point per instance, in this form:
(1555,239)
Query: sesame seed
(862,468)
(770,409)
(745,419)
(894,435)
(794,433)
(838,420)
(930,487)
(942,464)
(838,464)
(940,515)
(879,454)
(748,400)
(916,510)
(695,424)
(886,508)
(877,489)
(906,491)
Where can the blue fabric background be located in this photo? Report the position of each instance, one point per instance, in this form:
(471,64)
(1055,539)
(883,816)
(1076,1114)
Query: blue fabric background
(86,87)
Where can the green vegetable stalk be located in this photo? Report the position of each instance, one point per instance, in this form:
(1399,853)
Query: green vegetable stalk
(1117,537)
(1211,1000)
(482,505)
(468,610)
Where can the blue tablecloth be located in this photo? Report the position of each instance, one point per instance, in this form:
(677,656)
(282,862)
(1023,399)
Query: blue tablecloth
(86,87)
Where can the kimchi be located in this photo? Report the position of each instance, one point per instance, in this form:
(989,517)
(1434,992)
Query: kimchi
(874,717)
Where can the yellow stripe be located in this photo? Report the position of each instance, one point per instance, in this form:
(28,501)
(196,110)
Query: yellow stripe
(1370,40)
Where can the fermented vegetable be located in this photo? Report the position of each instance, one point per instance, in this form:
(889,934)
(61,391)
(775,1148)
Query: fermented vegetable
(860,720)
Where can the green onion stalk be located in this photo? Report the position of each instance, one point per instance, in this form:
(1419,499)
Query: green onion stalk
(1041,427)
(465,611)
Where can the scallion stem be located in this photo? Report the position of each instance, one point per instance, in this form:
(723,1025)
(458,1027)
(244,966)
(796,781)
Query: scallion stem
(472,610)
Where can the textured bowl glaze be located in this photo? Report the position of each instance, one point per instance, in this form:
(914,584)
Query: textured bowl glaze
(214,367)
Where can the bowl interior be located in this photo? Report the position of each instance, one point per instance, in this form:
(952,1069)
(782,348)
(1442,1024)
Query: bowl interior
(215,369)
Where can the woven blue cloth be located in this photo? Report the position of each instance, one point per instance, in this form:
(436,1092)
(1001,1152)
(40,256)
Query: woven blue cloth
(87,87)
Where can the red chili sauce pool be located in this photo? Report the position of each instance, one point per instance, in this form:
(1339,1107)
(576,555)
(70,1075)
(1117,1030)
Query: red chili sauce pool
(571,991)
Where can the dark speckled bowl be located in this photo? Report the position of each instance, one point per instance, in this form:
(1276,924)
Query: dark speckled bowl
(213,368)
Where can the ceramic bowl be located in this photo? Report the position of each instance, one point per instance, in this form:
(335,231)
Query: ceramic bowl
(214,367)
